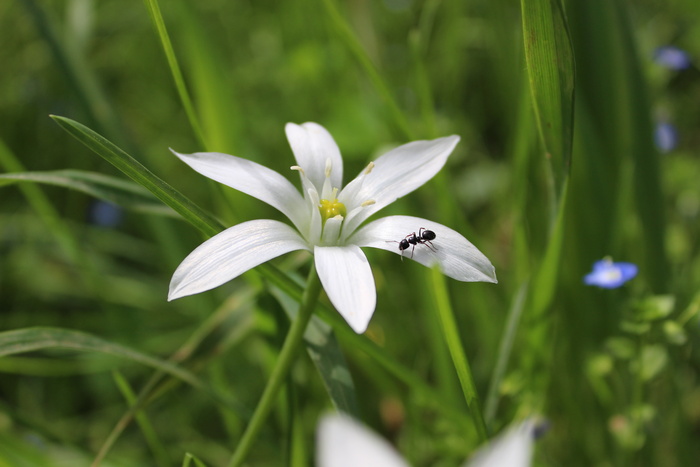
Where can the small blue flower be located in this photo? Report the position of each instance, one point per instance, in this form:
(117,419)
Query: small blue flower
(105,214)
(609,275)
(672,57)
(665,136)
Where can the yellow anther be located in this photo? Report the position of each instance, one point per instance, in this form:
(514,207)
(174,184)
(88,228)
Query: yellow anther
(369,168)
(331,209)
(369,202)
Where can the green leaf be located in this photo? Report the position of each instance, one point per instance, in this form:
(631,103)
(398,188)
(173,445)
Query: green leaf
(114,190)
(655,307)
(652,360)
(550,67)
(141,175)
(674,333)
(621,347)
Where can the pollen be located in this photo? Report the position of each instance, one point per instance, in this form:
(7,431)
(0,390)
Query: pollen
(331,209)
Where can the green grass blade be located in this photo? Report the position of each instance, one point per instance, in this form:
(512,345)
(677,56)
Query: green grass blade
(504,352)
(159,24)
(190,458)
(144,422)
(114,190)
(210,80)
(81,78)
(614,92)
(39,338)
(444,309)
(141,175)
(43,207)
(648,191)
(341,26)
(550,67)
(547,275)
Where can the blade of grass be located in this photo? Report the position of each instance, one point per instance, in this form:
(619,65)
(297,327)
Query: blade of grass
(190,458)
(504,352)
(114,190)
(40,338)
(449,326)
(236,305)
(348,37)
(43,207)
(211,85)
(159,24)
(142,419)
(141,175)
(79,75)
(550,67)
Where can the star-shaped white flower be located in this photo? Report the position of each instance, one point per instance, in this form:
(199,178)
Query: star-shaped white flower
(343,442)
(327,218)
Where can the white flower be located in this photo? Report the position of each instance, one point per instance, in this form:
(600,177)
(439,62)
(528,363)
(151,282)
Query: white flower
(327,218)
(343,442)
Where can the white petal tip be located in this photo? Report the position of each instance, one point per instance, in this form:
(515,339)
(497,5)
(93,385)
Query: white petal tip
(359,328)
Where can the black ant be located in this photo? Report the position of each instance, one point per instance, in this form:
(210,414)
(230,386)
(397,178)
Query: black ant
(423,238)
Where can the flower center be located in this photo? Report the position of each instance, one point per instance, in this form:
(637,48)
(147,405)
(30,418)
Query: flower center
(331,209)
(612,275)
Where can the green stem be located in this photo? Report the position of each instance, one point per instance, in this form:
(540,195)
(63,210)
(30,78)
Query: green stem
(459,358)
(281,369)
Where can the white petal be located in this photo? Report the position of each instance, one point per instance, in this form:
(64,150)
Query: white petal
(348,281)
(313,147)
(331,230)
(252,179)
(513,448)
(343,442)
(457,257)
(395,174)
(231,253)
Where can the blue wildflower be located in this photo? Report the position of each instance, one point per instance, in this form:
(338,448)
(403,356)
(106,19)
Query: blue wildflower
(105,214)
(609,275)
(672,57)
(665,136)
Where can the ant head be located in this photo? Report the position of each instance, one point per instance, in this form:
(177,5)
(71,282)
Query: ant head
(403,244)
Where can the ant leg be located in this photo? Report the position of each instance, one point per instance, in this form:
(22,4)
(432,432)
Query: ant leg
(429,244)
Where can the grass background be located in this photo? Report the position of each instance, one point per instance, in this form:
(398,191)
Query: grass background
(614,371)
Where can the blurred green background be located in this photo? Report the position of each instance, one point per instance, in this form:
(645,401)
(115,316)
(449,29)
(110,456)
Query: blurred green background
(614,371)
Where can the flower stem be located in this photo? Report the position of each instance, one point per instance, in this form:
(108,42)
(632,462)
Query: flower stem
(281,369)
(459,358)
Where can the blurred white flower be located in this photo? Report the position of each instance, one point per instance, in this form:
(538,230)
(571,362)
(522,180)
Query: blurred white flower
(343,442)
(327,218)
